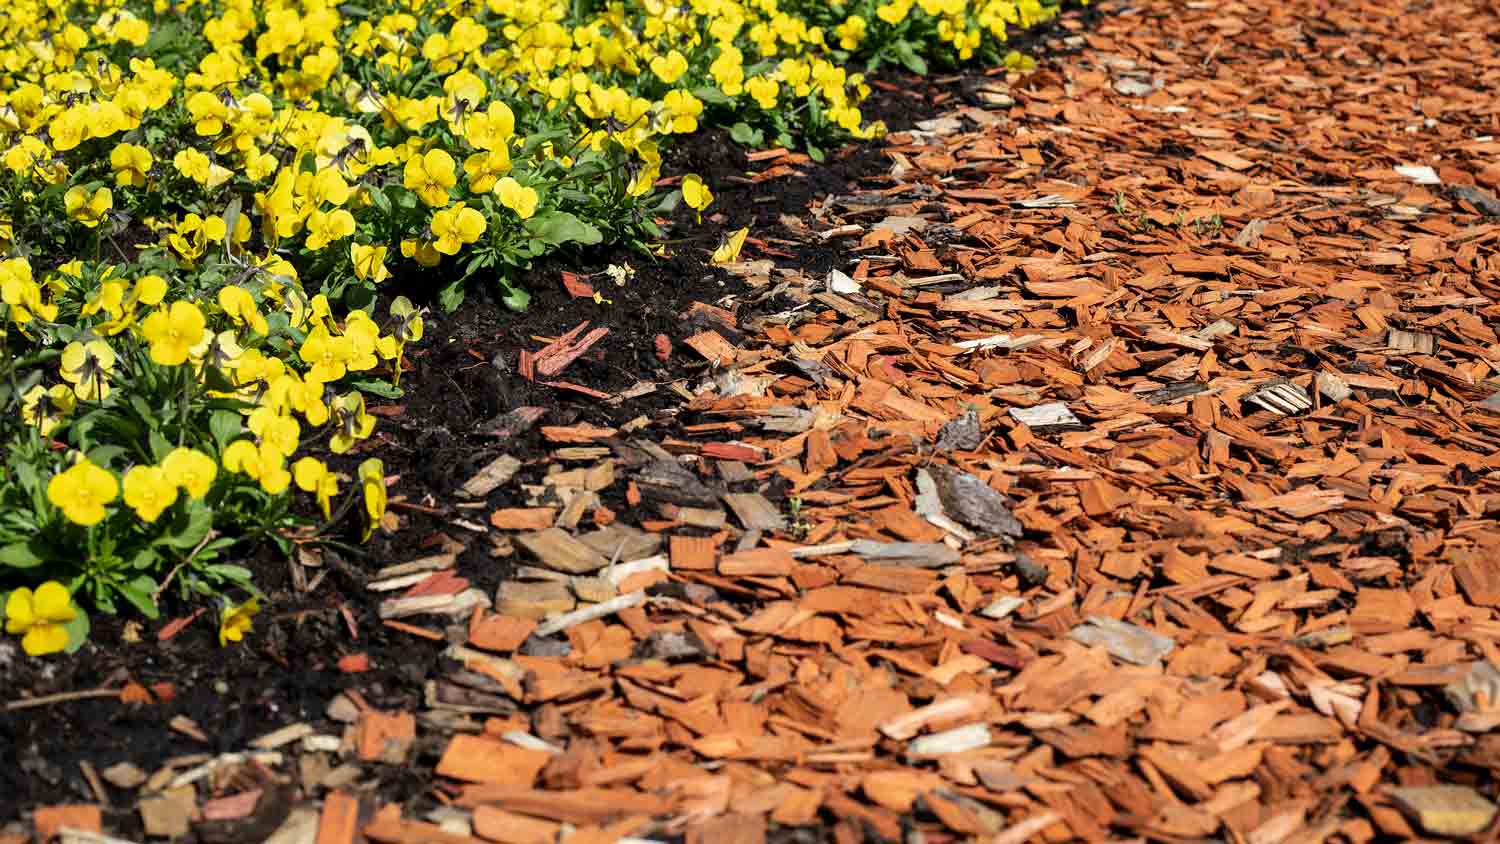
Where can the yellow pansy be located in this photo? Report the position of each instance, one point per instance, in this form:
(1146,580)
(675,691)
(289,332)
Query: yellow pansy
(82,491)
(39,617)
(235,620)
(88,209)
(517,197)
(430,176)
(312,476)
(372,485)
(173,331)
(369,262)
(148,491)
(86,365)
(190,470)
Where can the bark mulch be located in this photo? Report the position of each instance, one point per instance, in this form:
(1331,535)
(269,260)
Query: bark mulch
(1131,475)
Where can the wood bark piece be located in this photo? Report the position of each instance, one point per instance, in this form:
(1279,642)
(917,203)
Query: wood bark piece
(533,600)
(1125,641)
(557,549)
(754,512)
(494,475)
(1452,810)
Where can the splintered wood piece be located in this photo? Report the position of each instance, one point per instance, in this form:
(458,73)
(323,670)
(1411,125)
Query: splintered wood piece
(1452,810)
(384,737)
(339,822)
(755,512)
(533,600)
(505,827)
(1125,641)
(524,518)
(1281,397)
(920,554)
(1044,417)
(713,347)
(954,708)
(559,550)
(485,760)
(494,475)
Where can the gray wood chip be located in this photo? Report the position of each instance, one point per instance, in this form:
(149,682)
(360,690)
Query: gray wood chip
(1043,416)
(1453,810)
(1281,396)
(918,554)
(1125,641)
(622,542)
(560,550)
(491,477)
(755,511)
(970,501)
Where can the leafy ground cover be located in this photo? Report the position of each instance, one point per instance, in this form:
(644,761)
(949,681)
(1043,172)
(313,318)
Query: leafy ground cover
(204,198)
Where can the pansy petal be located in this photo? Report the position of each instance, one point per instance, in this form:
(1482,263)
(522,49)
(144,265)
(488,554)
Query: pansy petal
(19,614)
(44,639)
(53,603)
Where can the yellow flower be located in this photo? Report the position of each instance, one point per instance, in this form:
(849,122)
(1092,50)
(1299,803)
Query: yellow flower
(421,251)
(669,68)
(276,430)
(516,197)
(372,484)
(239,305)
(88,210)
(86,366)
(325,227)
(312,476)
(453,227)
(235,620)
(82,491)
(263,463)
(369,262)
(430,176)
(45,407)
(729,251)
(173,331)
(40,615)
(328,355)
(764,91)
(351,422)
(131,164)
(695,192)
(485,167)
(198,167)
(190,470)
(148,491)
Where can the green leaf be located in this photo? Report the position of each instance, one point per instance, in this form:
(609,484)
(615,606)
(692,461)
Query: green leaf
(103,454)
(712,96)
(78,632)
(559,227)
(816,154)
(515,298)
(231,219)
(224,425)
(377,387)
(451,296)
(21,555)
(743,133)
(231,573)
(138,592)
(188,529)
(909,58)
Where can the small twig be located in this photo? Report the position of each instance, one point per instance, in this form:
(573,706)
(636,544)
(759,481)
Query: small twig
(60,697)
(156,594)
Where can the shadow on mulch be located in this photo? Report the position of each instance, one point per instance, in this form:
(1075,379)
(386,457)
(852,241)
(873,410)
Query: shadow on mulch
(434,438)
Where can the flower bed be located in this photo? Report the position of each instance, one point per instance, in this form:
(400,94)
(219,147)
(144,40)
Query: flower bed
(201,200)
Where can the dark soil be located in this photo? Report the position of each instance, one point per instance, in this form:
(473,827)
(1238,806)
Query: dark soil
(435,437)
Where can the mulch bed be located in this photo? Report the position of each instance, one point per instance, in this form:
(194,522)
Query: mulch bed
(1114,459)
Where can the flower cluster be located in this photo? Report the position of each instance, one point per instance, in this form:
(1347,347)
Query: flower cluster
(201,198)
